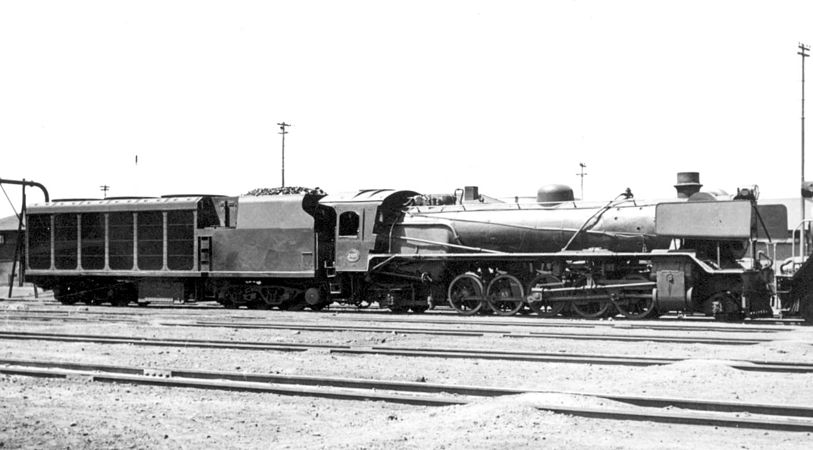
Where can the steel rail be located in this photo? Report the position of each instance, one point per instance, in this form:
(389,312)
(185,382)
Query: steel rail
(446,332)
(68,318)
(780,417)
(754,366)
(482,332)
(753,324)
(561,323)
(335,328)
(163,342)
(641,338)
(751,366)
(156,378)
(542,323)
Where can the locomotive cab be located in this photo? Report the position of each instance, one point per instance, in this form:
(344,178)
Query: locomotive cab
(360,219)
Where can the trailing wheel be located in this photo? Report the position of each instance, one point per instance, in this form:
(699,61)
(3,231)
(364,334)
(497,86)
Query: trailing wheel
(505,295)
(636,302)
(723,306)
(465,294)
(539,299)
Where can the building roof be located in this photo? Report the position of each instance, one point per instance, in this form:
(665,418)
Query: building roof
(794,206)
(9,223)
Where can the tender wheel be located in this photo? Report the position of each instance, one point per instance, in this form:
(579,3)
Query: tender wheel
(505,295)
(539,300)
(227,297)
(297,304)
(66,295)
(465,294)
(316,298)
(636,303)
(117,296)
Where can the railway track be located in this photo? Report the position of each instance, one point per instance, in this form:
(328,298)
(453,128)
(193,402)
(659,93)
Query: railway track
(755,366)
(471,332)
(681,323)
(482,332)
(745,327)
(635,408)
(485,329)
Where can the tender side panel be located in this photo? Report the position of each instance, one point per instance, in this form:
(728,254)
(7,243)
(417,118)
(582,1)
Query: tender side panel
(180,240)
(150,239)
(119,242)
(38,234)
(65,240)
(273,234)
(93,235)
(121,235)
(271,250)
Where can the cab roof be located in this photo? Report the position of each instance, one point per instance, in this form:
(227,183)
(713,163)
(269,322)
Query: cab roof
(365,196)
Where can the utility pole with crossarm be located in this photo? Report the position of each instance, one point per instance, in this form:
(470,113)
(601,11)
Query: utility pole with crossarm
(282,126)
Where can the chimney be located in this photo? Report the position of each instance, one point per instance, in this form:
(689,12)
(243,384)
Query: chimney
(688,183)
(471,194)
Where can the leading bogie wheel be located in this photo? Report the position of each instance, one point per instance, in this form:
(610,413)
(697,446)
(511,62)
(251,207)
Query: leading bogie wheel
(505,295)
(465,294)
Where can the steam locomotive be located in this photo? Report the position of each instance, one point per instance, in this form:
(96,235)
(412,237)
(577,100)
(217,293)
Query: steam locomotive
(408,251)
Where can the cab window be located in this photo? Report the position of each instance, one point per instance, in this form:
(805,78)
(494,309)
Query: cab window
(349,224)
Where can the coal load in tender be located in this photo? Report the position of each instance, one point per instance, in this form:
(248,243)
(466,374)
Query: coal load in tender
(287,190)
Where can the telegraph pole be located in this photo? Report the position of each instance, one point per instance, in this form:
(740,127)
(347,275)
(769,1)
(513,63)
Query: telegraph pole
(581,174)
(104,188)
(803,49)
(282,126)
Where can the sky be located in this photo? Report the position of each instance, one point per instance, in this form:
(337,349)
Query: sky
(422,95)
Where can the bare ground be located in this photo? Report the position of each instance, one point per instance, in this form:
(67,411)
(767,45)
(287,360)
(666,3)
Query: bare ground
(45,413)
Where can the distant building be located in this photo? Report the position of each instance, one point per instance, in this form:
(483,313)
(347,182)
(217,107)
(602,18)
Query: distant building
(788,244)
(8,242)
(794,206)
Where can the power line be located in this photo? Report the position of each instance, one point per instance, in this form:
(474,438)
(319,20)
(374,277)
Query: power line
(282,126)
(104,188)
(581,174)
(803,49)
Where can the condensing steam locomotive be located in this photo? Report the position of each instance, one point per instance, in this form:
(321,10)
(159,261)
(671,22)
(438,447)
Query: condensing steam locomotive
(302,249)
